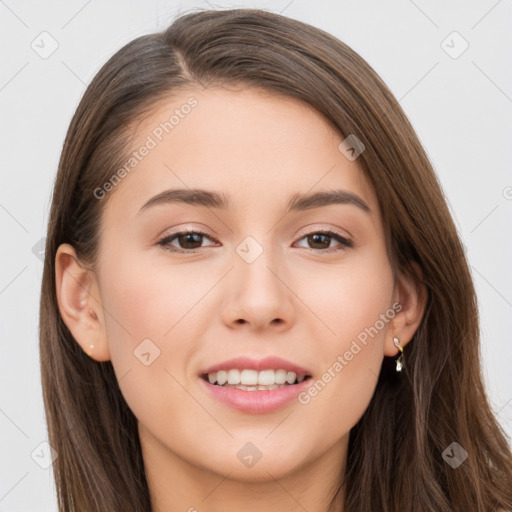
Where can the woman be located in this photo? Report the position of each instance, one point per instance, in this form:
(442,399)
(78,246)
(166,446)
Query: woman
(254,295)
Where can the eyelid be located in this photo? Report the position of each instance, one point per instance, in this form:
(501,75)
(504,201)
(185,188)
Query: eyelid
(315,228)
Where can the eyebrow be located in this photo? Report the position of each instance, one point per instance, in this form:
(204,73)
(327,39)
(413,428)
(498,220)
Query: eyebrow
(297,202)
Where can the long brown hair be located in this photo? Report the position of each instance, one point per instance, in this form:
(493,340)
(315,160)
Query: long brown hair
(395,451)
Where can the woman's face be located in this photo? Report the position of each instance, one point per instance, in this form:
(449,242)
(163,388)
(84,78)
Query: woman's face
(257,280)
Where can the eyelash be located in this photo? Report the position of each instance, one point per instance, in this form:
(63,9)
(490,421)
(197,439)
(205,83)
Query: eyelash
(164,242)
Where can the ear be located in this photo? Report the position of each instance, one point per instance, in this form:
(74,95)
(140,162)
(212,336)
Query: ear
(411,293)
(80,303)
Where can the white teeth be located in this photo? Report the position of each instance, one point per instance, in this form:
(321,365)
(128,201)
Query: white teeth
(266,377)
(222,377)
(249,377)
(290,377)
(252,380)
(233,376)
(281,376)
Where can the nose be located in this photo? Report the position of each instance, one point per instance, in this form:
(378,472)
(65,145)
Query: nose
(259,295)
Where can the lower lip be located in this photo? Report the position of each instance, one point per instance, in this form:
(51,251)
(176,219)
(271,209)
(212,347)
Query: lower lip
(256,402)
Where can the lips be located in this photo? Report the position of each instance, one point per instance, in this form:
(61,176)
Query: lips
(253,399)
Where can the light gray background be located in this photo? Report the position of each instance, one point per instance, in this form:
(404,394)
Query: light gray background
(460,107)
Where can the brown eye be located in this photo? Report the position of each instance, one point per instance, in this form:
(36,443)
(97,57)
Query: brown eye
(321,240)
(188,241)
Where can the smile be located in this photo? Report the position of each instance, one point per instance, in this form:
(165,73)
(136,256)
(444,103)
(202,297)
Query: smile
(255,386)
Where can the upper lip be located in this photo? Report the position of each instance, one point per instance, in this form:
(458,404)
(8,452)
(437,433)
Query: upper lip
(267,363)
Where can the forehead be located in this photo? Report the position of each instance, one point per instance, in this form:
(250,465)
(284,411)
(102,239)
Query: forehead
(256,147)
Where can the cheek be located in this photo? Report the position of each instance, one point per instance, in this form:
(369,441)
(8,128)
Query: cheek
(148,300)
(355,306)
(138,302)
(151,321)
(345,299)
(149,314)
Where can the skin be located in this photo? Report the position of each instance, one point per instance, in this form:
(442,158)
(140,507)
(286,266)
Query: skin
(259,149)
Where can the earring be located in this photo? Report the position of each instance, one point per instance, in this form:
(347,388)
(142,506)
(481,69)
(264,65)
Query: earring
(399,358)
(89,352)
